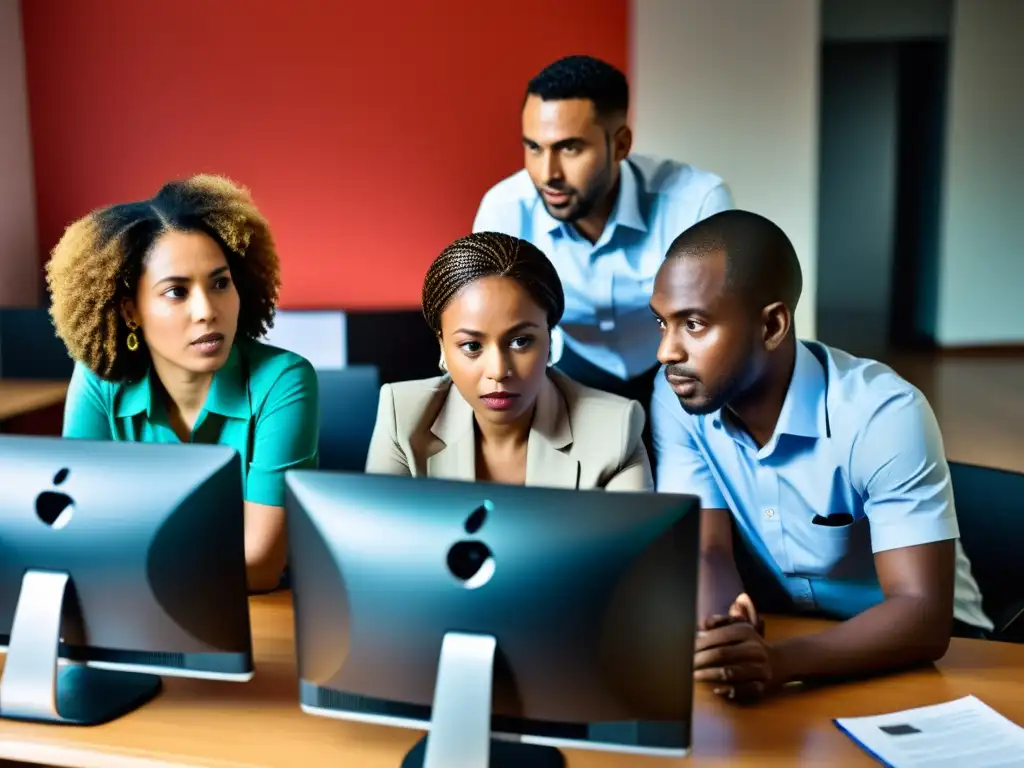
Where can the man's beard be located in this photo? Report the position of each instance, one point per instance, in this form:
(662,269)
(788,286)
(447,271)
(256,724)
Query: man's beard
(715,401)
(580,205)
(582,202)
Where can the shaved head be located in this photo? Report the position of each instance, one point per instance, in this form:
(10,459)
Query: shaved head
(724,298)
(761,266)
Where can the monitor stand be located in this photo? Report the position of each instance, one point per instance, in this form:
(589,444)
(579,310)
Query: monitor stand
(460,728)
(34,687)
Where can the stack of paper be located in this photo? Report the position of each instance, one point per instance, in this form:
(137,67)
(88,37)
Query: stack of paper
(964,733)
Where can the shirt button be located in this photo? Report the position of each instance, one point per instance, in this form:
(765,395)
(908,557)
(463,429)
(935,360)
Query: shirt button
(769,513)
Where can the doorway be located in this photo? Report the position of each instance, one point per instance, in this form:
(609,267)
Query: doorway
(882,129)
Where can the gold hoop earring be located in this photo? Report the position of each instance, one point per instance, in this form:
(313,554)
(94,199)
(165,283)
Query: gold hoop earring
(442,365)
(133,340)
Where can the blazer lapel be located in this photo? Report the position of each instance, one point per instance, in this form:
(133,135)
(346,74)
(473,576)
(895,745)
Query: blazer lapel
(454,428)
(547,463)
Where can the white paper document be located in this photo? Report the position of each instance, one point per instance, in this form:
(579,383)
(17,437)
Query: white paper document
(965,733)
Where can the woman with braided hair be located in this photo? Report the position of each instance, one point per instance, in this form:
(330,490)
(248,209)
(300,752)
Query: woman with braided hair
(499,413)
(161,303)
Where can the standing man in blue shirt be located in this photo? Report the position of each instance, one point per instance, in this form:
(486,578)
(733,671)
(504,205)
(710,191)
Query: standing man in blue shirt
(604,217)
(832,467)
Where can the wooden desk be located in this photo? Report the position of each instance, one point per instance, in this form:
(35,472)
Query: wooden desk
(21,396)
(227,725)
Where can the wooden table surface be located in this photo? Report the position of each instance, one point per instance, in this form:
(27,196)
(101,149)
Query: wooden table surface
(206,723)
(21,396)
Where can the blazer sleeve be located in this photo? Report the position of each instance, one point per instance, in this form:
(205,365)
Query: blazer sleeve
(634,473)
(386,456)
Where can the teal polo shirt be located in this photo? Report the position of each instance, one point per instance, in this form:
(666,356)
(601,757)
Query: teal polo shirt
(263,402)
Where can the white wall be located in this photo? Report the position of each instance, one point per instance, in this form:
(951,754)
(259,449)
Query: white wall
(732,86)
(19,251)
(981,266)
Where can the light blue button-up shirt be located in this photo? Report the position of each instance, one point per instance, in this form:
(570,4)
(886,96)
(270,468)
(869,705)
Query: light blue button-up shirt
(608,284)
(852,437)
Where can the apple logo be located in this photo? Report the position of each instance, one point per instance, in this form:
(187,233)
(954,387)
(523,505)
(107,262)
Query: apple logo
(470,560)
(53,507)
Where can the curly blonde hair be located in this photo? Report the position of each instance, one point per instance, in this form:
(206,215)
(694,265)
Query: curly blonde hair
(98,262)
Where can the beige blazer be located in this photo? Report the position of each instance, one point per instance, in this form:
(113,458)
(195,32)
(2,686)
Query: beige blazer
(581,437)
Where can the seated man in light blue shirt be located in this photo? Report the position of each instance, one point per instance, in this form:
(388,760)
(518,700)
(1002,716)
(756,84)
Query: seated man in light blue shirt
(604,218)
(831,466)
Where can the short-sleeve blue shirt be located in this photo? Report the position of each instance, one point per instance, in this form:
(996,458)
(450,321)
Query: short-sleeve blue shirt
(852,437)
(608,284)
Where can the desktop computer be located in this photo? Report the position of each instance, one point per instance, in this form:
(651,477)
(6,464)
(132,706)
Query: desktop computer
(119,563)
(507,621)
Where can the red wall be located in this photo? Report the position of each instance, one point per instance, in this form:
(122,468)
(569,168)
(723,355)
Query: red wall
(366,131)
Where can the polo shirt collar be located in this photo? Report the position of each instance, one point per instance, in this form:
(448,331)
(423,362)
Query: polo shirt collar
(626,211)
(228,395)
(136,398)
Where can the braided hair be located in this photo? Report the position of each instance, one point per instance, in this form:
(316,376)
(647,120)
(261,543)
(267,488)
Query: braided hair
(100,259)
(491,254)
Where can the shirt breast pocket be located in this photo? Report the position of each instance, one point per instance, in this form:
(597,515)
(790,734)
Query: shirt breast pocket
(842,545)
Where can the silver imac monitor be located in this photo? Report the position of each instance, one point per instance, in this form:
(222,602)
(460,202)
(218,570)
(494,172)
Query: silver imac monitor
(506,621)
(119,563)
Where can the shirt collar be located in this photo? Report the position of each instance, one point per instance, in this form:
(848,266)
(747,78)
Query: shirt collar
(626,211)
(228,395)
(135,398)
(803,410)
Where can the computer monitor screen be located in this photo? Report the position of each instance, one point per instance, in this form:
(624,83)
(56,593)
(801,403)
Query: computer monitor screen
(566,617)
(122,558)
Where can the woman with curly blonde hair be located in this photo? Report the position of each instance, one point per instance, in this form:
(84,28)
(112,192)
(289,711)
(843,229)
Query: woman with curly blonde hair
(161,303)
